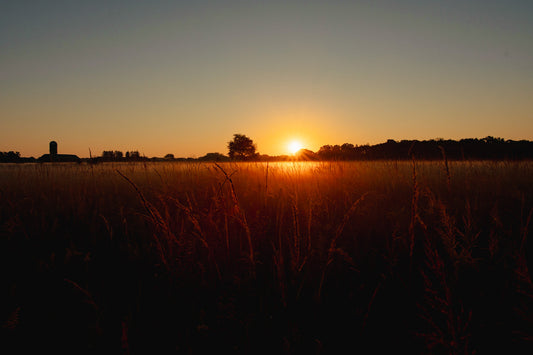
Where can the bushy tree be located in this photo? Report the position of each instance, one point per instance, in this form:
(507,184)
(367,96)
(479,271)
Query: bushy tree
(214,157)
(306,154)
(108,155)
(241,148)
(9,157)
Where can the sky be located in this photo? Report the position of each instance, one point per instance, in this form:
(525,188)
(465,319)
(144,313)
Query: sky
(182,77)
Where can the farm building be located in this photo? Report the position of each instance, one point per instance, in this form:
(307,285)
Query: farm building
(59,158)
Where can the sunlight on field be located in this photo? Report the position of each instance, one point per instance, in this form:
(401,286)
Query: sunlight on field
(206,245)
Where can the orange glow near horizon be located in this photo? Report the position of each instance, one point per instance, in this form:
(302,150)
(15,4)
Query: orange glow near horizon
(294,146)
(295,125)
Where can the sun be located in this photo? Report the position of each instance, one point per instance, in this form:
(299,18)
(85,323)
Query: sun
(294,146)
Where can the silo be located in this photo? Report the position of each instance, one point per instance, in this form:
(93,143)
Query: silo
(53,148)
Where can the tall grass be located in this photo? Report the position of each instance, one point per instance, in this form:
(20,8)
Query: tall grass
(268,257)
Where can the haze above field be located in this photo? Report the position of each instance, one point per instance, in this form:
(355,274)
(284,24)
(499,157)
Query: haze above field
(182,77)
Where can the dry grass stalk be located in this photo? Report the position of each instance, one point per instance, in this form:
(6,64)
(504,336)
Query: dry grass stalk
(205,219)
(448,321)
(156,218)
(241,217)
(446,168)
(414,209)
(333,244)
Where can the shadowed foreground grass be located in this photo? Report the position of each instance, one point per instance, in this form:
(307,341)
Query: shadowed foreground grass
(267,258)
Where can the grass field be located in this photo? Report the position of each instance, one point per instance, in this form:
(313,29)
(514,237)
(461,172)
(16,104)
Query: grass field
(267,258)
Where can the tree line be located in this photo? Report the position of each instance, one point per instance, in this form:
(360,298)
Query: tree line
(488,148)
(243,148)
(14,157)
(117,155)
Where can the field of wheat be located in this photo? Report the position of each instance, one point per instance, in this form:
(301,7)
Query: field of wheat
(429,257)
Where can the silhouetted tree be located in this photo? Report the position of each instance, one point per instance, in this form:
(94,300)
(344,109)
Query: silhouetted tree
(169,156)
(306,154)
(118,155)
(108,155)
(241,147)
(214,157)
(326,152)
(9,157)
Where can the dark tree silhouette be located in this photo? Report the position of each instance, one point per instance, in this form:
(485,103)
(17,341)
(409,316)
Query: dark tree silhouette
(9,157)
(434,149)
(108,155)
(213,157)
(241,147)
(305,155)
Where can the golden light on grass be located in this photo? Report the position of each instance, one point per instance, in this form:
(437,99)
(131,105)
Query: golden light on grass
(325,231)
(294,146)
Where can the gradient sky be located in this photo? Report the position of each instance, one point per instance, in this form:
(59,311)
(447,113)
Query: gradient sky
(182,77)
